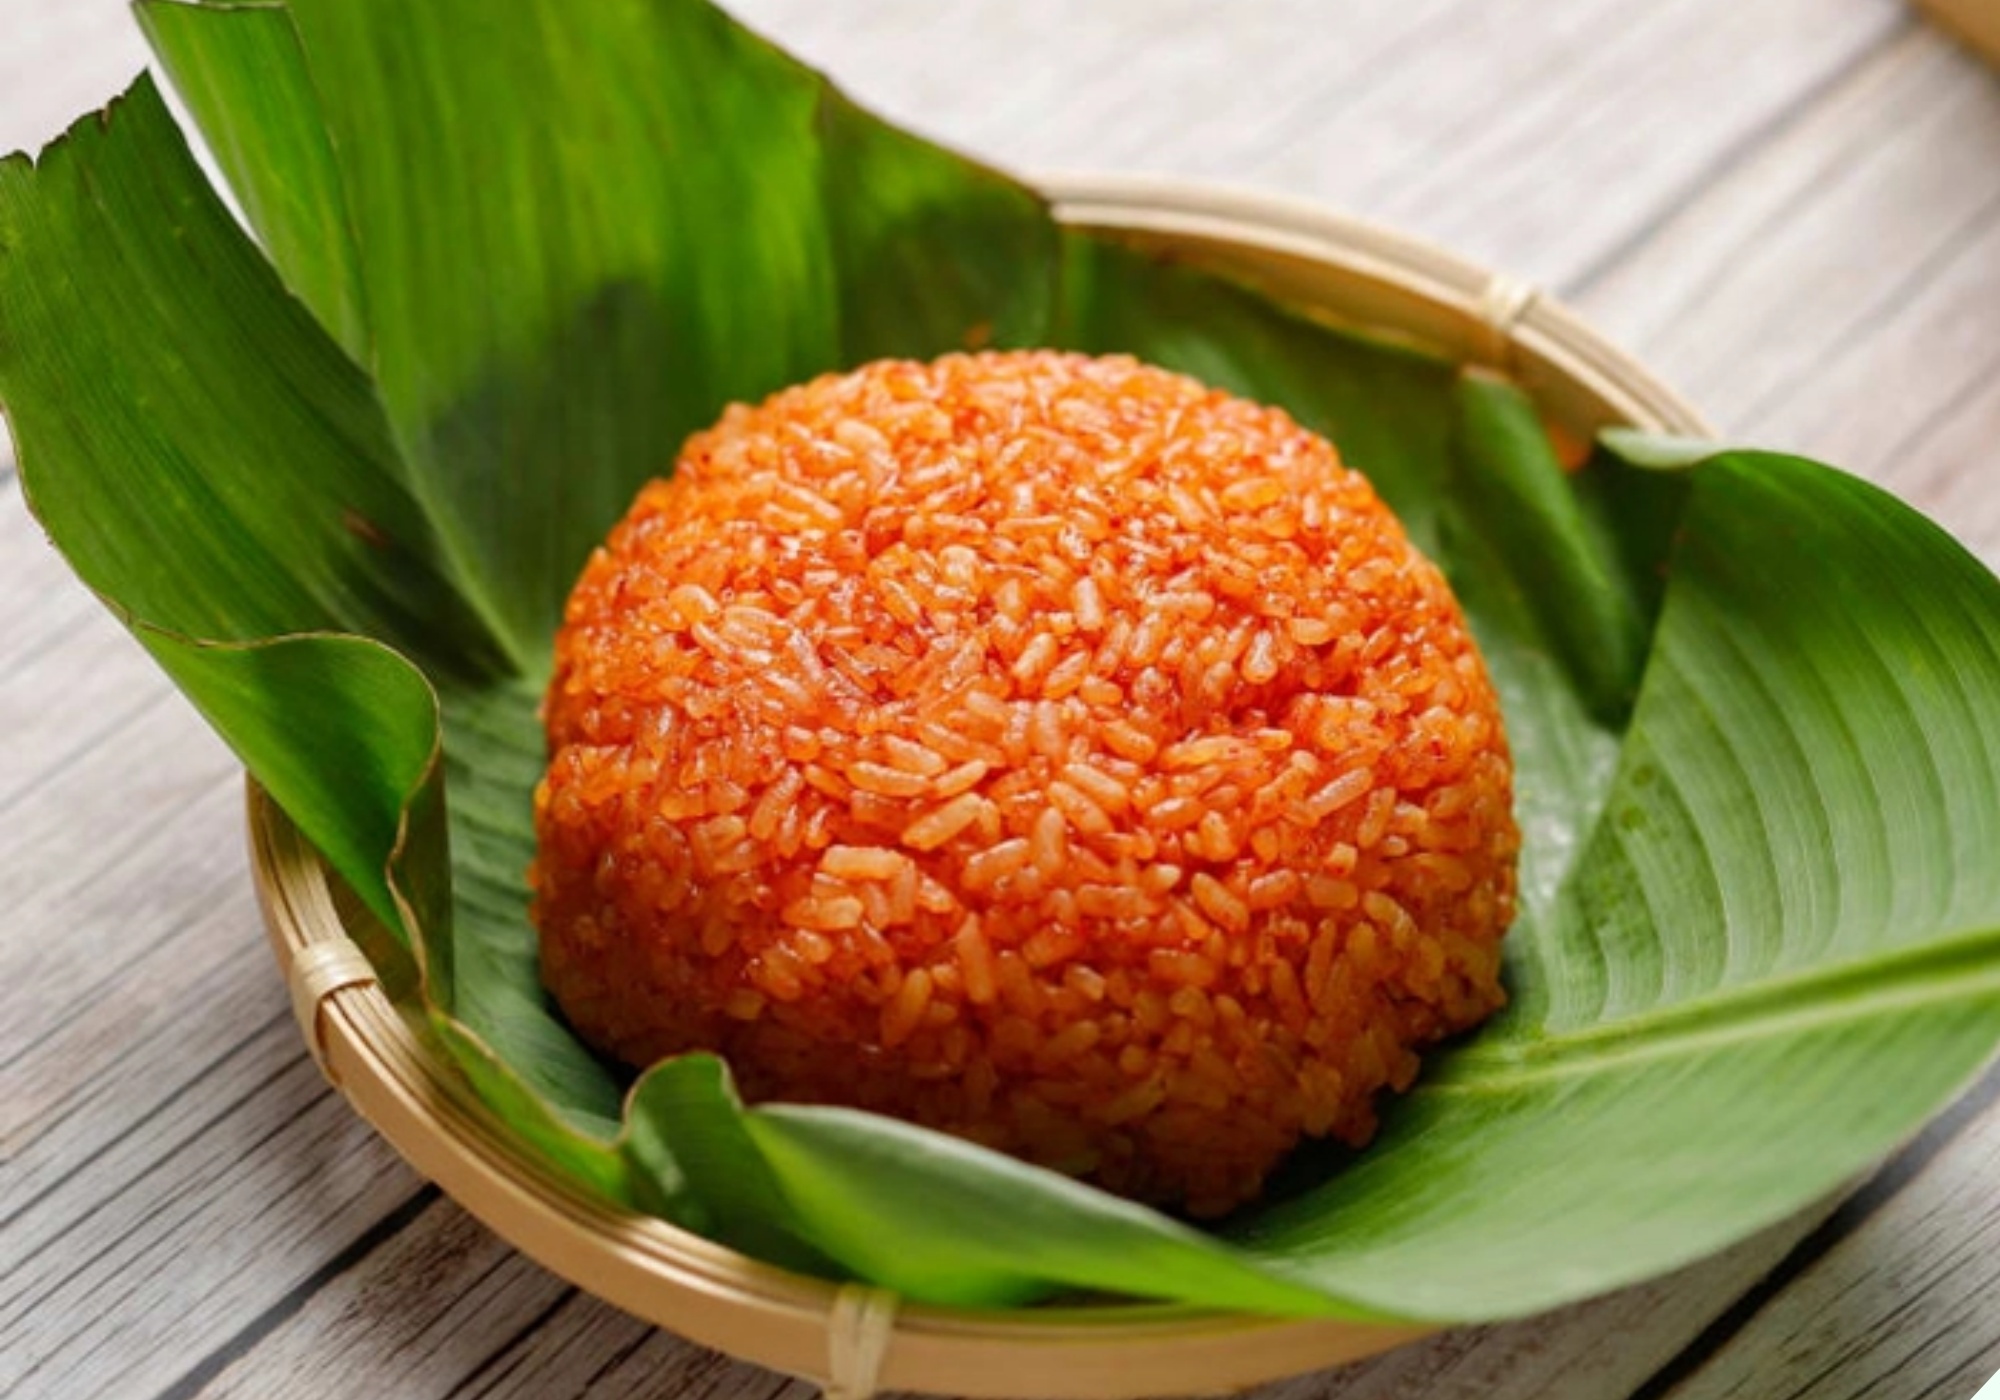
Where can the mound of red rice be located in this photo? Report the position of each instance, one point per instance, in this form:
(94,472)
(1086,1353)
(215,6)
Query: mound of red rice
(1046,749)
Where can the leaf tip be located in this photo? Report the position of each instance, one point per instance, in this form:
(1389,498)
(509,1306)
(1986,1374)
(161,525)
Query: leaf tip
(1659,451)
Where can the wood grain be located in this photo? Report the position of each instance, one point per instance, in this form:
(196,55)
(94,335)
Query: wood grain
(1791,208)
(1538,140)
(1839,293)
(1907,1303)
(166,1175)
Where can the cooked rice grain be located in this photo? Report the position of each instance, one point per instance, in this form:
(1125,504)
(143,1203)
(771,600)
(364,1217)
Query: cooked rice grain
(1049,750)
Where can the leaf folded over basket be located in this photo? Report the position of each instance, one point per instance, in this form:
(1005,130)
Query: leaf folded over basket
(510,257)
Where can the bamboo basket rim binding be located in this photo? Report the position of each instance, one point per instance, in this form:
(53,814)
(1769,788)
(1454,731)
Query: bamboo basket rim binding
(851,1339)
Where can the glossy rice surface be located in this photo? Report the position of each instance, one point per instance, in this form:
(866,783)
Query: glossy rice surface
(1046,749)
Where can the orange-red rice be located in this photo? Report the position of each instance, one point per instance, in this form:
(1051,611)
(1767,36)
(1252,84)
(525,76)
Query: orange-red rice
(1049,750)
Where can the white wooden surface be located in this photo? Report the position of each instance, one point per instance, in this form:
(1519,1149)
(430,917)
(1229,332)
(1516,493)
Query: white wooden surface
(1789,207)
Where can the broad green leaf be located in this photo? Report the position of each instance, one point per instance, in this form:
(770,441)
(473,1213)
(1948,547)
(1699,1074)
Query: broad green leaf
(1496,1195)
(541,356)
(1510,495)
(979,1229)
(1755,705)
(1813,773)
(552,314)
(990,253)
(1777,952)
(1561,580)
(493,759)
(930,251)
(220,474)
(343,731)
(241,71)
(698,1162)
(1714,1044)
(221,470)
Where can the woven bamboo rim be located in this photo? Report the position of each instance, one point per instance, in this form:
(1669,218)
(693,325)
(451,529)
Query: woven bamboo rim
(854,1340)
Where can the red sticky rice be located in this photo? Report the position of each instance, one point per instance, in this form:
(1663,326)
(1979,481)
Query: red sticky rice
(1046,749)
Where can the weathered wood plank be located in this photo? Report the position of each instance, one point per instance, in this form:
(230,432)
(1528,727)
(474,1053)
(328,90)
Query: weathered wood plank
(1540,141)
(1839,294)
(607,1362)
(590,1348)
(235,1194)
(499,1327)
(69,667)
(1171,85)
(1948,465)
(1907,1305)
(1747,289)
(479,1295)
(111,999)
(172,1162)
(1602,1348)
(1878,400)
(115,795)
(503,1327)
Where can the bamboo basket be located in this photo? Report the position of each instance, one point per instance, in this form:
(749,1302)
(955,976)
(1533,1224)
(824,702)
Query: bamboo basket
(854,1340)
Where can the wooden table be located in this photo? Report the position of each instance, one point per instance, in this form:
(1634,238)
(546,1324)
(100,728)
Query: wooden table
(1791,208)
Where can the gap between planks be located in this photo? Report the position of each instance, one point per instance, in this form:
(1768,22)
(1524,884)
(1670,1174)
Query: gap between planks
(1896,1293)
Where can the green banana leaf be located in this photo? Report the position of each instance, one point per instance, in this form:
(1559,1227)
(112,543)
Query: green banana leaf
(339,480)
